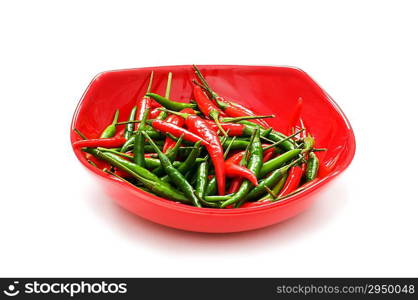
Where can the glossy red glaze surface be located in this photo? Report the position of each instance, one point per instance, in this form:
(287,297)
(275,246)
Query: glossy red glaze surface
(265,90)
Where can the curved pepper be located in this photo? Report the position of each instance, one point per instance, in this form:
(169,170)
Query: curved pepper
(234,170)
(292,181)
(177,131)
(207,107)
(107,143)
(175,120)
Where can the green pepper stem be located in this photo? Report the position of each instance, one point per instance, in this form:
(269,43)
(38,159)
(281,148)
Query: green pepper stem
(200,85)
(213,95)
(244,159)
(128,122)
(269,191)
(229,147)
(319,149)
(79,133)
(157,150)
(214,114)
(237,119)
(183,115)
(283,140)
(114,152)
(267,139)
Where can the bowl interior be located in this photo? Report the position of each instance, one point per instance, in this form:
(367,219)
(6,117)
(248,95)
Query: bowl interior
(264,89)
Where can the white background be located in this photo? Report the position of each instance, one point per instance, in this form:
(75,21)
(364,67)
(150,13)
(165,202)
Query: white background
(55,221)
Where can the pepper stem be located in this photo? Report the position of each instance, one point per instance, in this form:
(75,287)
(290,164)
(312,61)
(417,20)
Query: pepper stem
(243,118)
(269,191)
(128,122)
(214,114)
(244,159)
(79,133)
(213,95)
(283,140)
(183,115)
(157,150)
(151,77)
(168,87)
(229,147)
(114,152)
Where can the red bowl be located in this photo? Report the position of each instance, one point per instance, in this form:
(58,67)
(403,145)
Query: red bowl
(265,90)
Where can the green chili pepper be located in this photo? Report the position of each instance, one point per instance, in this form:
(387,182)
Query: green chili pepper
(161,190)
(212,184)
(188,163)
(278,136)
(169,104)
(277,188)
(274,136)
(130,127)
(202,178)
(174,174)
(123,164)
(312,167)
(115,152)
(139,143)
(130,142)
(218,198)
(110,130)
(254,164)
(211,187)
(308,144)
(237,144)
(191,158)
(278,161)
(171,154)
(248,130)
(270,181)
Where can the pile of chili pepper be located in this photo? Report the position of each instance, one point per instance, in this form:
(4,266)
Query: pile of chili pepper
(209,152)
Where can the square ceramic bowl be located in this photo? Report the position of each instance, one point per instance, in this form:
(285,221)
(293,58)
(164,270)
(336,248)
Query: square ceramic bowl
(265,90)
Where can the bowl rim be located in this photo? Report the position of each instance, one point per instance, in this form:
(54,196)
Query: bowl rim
(216,211)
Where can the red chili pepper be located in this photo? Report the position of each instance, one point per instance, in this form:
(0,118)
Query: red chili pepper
(237,157)
(233,129)
(234,170)
(179,121)
(292,181)
(235,184)
(202,128)
(268,154)
(208,108)
(175,120)
(154,113)
(119,134)
(231,109)
(106,143)
(237,110)
(144,103)
(177,131)
(142,107)
(255,204)
(155,105)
